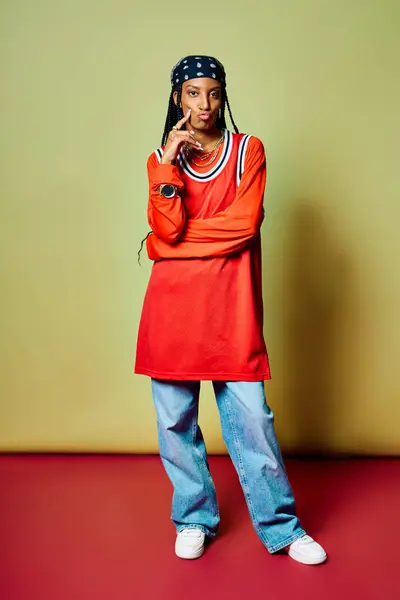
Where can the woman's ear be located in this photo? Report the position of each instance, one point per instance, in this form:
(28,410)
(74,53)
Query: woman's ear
(175,97)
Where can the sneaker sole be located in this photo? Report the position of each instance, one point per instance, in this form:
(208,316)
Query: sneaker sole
(190,555)
(305,560)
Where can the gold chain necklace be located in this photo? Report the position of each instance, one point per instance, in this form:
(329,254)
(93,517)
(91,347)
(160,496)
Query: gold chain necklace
(190,152)
(206,154)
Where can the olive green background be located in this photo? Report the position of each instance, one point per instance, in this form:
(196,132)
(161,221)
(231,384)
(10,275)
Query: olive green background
(84,91)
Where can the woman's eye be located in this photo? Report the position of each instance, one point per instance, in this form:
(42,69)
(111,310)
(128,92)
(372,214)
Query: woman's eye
(192,93)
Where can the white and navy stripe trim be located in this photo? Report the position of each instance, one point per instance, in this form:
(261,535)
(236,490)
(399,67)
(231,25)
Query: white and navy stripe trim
(244,142)
(159,153)
(215,170)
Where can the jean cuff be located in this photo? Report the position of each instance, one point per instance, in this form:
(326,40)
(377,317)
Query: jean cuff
(287,542)
(207,532)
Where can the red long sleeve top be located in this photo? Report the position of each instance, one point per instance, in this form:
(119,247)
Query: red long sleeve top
(202,316)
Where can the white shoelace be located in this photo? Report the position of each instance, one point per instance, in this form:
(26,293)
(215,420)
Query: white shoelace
(306,539)
(191,532)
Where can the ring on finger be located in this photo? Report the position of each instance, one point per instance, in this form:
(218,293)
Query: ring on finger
(174,128)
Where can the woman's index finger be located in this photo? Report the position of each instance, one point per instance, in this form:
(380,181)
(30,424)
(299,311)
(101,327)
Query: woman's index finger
(185,118)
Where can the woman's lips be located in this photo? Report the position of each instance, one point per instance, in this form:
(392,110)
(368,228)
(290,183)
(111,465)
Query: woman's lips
(204,116)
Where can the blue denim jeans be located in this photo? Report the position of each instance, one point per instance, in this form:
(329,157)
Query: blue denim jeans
(248,430)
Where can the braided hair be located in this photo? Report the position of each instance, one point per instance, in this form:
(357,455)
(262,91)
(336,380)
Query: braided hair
(175,113)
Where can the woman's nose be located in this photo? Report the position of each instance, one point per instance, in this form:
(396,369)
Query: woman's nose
(204,103)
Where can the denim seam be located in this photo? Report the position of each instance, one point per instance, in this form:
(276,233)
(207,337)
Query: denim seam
(242,470)
(204,466)
(290,540)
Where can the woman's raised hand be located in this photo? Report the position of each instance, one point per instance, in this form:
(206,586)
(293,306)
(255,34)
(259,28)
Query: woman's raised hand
(176,137)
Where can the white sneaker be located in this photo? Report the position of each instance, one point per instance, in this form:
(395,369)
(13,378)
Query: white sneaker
(190,543)
(307,551)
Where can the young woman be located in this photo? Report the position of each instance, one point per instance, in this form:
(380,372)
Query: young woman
(202,316)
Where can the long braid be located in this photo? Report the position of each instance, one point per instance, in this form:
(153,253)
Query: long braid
(179,105)
(141,246)
(230,113)
(169,119)
(220,122)
(175,113)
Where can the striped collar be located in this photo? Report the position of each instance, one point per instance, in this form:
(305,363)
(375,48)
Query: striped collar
(215,170)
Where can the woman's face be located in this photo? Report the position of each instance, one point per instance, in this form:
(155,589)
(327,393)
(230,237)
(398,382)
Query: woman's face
(204,96)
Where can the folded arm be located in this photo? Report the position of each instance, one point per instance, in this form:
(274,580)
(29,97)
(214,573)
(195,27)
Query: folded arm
(228,231)
(157,249)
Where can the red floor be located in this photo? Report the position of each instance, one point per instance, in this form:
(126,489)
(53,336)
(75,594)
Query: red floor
(98,527)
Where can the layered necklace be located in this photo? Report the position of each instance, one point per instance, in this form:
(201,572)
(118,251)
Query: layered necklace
(191,153)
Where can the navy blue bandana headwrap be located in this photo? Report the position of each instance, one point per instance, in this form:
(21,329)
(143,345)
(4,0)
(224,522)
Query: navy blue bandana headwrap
(192,67)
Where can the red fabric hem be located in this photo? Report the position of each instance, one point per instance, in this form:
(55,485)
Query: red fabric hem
(204,376)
